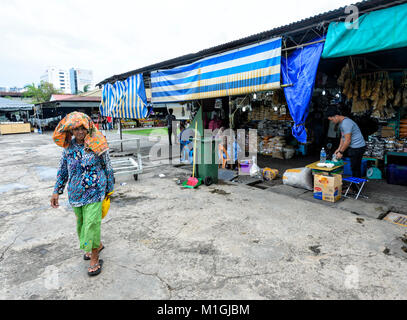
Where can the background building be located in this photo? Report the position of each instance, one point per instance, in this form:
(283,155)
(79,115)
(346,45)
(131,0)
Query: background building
(12,89)
(58,77)
(79,79)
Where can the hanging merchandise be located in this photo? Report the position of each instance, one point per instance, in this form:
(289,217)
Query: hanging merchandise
(299,70)
(373,92)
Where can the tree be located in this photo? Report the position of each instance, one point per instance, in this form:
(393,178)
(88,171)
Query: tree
(42,93)
(85,89)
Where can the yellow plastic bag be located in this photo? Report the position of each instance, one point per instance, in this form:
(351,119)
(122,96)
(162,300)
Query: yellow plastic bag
(106,205)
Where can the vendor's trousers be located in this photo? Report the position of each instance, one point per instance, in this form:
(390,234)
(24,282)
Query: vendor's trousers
(356,155)
(89,219)
(170,135)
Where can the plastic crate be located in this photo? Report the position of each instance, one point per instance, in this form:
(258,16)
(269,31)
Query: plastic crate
(347,169)
(396,174)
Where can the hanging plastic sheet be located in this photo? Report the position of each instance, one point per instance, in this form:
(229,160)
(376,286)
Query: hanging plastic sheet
(299,70)
(378,30)
(125,99)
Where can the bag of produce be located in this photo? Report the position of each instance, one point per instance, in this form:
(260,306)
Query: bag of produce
(299,178)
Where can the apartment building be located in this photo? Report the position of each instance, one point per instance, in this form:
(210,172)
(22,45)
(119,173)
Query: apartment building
(79,79)
(59,77)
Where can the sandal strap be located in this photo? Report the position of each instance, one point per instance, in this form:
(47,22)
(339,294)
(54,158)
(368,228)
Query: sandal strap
(94,266)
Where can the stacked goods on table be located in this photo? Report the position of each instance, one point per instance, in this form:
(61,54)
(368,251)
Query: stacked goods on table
(377,146)
(265,146)
(273,128)
(272,107)
(372,92)
(267,112)
(403,128)
(276,147)
(260,113)
(285,117)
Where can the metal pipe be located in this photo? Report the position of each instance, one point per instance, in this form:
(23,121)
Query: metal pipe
(303,45)
(120,127)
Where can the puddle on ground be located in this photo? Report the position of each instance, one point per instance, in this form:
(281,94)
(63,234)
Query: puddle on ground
(315,249)
(12,186)
(219,191)
(46,173)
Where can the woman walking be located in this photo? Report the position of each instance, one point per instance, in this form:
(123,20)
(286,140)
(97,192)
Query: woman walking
(86,166)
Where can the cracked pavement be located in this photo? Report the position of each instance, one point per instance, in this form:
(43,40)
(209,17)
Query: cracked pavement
(165,242)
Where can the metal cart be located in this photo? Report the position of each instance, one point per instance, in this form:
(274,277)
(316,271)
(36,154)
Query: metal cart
(128,165)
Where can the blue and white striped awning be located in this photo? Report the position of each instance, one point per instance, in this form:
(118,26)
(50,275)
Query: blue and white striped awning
(248,69)
(125,99)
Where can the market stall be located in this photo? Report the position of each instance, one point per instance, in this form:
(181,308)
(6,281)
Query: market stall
(14,115)
(282,81)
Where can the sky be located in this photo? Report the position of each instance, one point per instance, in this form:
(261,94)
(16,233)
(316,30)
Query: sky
(112,37)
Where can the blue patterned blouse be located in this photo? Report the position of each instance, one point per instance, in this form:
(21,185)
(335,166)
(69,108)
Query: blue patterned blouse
(89,176)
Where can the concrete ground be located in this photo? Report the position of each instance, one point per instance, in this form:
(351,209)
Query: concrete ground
(225,241)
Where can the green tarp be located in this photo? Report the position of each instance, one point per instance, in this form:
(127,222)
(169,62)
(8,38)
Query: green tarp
(378,30)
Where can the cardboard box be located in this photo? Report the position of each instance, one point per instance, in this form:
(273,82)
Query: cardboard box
(328,188)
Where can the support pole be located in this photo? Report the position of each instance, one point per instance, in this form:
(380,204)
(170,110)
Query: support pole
(120,128)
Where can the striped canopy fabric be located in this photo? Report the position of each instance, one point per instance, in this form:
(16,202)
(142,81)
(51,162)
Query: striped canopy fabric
(125,99)
(248,69)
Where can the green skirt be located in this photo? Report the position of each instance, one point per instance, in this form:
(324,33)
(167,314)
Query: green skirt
(89,219)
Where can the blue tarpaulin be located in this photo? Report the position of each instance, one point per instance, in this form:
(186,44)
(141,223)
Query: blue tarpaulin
(299,69)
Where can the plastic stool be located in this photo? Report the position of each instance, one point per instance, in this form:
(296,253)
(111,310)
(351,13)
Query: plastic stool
(357,182)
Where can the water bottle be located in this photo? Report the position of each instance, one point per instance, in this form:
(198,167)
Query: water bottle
(322,156)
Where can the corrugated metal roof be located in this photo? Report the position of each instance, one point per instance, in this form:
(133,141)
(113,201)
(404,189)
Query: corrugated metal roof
(295,30)
(10,94)
(14,105)
(57,97)
(80,98)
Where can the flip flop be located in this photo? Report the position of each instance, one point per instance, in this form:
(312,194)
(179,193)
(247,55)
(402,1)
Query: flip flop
(85,257)
(96,272)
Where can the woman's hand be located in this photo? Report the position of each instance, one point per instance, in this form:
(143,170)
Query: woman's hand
(54,200)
